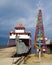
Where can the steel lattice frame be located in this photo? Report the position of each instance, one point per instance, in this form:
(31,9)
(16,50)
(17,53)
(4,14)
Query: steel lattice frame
(39,33)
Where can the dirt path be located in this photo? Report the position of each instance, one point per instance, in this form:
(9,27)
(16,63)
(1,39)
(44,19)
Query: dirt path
(7,52)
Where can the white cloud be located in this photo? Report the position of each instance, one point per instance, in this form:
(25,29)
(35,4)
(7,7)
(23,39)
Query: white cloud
(31,14)
(4,2)
(30,21)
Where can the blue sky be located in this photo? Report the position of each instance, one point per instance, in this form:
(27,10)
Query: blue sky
(14,11)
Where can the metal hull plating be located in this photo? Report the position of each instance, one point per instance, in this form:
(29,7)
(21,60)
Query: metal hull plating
(21,48)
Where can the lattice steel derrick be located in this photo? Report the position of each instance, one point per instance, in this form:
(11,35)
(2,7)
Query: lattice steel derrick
(39,34)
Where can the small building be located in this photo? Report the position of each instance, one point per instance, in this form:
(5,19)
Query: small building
(49,46)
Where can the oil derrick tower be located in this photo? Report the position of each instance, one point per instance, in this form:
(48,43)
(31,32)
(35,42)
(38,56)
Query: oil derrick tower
(39,41)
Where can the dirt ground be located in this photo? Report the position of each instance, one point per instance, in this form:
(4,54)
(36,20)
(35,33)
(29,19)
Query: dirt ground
(33,59)
(7,52)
